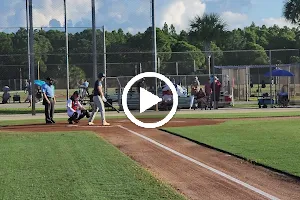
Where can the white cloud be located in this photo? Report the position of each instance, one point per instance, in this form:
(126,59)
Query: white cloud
(234,20)
(180,12)
(281,22)
(45,10)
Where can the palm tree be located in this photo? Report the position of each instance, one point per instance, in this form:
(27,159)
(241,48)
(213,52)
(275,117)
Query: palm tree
(291,11)
(207,28)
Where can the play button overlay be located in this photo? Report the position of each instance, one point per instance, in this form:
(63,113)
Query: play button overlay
(148,100)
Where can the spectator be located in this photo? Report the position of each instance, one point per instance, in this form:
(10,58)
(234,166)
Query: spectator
(201,99)
(141,84)
(216,89)
(207,90)
(26,86)
(29,96)
(86,85)
(195,87)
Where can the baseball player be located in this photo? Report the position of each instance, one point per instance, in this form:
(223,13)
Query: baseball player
(75,110)
(99,100)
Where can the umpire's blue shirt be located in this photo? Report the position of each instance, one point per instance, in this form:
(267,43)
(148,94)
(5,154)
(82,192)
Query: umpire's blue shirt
(49,90)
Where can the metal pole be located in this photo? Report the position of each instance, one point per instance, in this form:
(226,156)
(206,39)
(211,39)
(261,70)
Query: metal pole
(67,49)
(38,69)
(32,74)
(247,84)
(209,73)
(195,66)
(214,85)
(141,68)
(158,65)
(94,40)
(21,88)
(177,68)
(271,77)
(28,43)
(154,47)
(104,58)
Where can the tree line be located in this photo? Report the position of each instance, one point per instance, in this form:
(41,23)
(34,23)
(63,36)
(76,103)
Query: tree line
(207,33)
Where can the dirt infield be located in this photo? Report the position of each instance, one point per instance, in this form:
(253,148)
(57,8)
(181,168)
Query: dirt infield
(196,171)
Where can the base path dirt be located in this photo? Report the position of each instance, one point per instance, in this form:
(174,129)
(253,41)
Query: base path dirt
(174,160)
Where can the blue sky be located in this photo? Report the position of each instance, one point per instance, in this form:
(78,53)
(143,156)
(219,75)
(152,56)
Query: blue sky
(134,15)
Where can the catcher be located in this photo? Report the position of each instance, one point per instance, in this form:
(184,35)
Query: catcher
(75,110)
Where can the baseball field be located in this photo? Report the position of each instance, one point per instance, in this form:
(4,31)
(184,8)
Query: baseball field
(218,154)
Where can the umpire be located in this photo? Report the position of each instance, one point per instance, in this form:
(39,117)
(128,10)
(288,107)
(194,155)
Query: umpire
(49,100)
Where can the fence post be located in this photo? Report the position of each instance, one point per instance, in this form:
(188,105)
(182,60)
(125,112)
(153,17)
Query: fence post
(158,65)
(247,84)
(104,58)
(271,77)
(177,68)
(214,74)
(21,78)
(15,84)
(141,68)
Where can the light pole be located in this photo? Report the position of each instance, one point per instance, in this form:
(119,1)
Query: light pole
(94,40)
(154,47)
(67,48)
(209,73)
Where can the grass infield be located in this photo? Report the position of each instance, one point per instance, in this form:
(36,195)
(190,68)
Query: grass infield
(71,166)
(271,143)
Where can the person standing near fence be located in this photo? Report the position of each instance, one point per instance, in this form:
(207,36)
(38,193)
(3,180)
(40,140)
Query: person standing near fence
(216,90)
(207,90)
(29,96)
(49,100)
(195,87)
(99,100)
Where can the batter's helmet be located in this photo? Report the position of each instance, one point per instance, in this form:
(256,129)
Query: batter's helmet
(101,75)
(76,93)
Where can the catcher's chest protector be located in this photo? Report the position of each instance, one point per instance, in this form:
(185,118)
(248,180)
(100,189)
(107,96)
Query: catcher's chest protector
(75,105)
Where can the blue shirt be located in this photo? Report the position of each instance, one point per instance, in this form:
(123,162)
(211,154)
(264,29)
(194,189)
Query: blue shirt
(49,90)
(86,84)
(96,91)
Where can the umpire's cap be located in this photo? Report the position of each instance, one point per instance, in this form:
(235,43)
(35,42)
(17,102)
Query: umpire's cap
(101,75)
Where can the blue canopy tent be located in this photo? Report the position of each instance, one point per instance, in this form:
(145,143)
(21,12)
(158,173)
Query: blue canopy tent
(279,72)
(39,82)
(281,94)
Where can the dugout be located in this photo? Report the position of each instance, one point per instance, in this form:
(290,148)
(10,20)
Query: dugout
(249,81)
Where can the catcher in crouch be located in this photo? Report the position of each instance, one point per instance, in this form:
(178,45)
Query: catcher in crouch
(75,110)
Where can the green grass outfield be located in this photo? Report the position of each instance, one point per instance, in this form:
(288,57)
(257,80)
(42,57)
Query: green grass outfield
(73,165)
(271,143)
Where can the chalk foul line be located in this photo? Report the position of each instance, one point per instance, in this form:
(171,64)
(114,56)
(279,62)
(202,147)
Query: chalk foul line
(235,180)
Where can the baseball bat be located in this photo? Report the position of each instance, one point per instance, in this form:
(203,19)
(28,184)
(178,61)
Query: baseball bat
(113,107)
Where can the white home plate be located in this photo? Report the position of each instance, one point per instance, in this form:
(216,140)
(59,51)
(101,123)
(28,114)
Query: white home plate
(124,121)
(72,125)
(98,126)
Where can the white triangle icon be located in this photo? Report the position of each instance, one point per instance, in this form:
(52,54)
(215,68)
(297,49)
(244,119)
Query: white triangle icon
(147,100)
